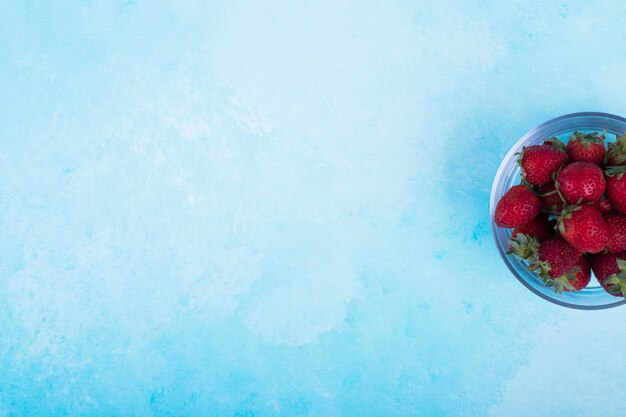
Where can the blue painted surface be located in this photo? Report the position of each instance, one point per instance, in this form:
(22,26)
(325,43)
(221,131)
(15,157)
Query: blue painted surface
(280,208)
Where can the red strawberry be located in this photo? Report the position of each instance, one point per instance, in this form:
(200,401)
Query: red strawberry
(586,147)
(616,225)
(610,271)
(583,275)
(616,154)
(539,162)
(581,181)
(540,227)
(550,197)
(518,206)
(584,228)
(603,205)
(616,187)
(561,266)
(561,255)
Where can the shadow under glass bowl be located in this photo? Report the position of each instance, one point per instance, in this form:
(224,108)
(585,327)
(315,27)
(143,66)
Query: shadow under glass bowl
(592,297)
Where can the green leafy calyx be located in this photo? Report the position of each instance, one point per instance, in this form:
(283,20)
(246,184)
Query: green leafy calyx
(524,247)
(616,283)
(617,150)
(566,213)
(555,142)
(616,171)
(558,284)
(564,282)
(589,138)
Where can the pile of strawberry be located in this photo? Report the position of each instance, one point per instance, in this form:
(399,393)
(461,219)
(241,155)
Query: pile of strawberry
(569,213)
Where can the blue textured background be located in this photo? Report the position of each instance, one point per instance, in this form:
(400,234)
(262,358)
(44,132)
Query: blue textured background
(279,208)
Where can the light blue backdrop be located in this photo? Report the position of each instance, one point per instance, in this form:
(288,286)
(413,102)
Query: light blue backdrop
(280,208)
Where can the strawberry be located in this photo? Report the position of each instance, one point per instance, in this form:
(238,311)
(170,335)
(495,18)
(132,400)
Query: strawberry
(583,275)
(610,271)
(550,197)
(561,266)
(560,254)
(586,147)
(584,228)
(603,205)
(616,225)
(539,162)
(580,181)
(616,187)
(518,206)
(539,227)
(616,154)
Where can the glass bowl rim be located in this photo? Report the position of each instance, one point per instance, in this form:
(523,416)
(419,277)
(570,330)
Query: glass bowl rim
(511,154)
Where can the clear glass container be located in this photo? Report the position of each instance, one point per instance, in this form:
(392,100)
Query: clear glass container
(592,297)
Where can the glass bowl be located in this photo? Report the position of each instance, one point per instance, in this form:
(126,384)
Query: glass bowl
(592,297)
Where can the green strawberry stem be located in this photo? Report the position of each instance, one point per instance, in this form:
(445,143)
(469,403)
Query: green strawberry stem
(557,184)
(560,284)
(616,283)
(588,138)
(552,210)
(540,267)
(528,185)
(524,246)
(549,193)
(617,149)
(566,213)
(616,170)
